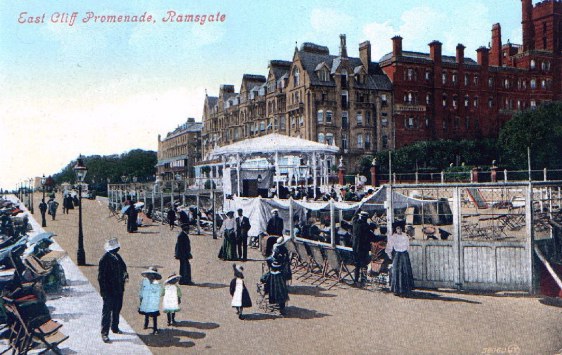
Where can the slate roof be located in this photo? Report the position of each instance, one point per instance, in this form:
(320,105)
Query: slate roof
(425,56)
(212,101)
(310,59)
(279,67)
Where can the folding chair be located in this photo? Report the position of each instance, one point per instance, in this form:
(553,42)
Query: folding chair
(35,266)
(335,267)
(303,259)
(318,263)
(30,328)
(298,262)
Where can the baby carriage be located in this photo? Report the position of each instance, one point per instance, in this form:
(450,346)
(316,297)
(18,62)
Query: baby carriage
(379,267)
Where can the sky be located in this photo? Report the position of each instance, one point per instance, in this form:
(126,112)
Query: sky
(84,86)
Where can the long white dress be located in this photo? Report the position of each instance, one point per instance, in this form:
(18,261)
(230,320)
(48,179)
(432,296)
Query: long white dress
(237,297)
(170,302)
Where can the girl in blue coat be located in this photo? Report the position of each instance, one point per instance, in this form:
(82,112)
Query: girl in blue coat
(150,293)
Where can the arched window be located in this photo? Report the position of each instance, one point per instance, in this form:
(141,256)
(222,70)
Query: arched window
(330,138)
(320,137)
(533,64)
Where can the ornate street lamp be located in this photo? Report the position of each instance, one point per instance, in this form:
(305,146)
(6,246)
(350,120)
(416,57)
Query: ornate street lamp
(43,220)
(31,195)
(80,170)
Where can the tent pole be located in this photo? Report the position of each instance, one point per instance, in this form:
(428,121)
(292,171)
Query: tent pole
(314,174)
(291,226)
(238,173)
(332,224)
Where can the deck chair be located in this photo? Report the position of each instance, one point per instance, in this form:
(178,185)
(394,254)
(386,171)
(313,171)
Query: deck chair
(297,261)
(303,258)
(318,263)
(35,266)
(335,267)
(476,197)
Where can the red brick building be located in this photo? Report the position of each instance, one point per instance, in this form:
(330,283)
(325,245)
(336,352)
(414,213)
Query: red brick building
(454,97)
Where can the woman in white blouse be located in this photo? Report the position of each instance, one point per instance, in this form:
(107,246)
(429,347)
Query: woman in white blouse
(401,276)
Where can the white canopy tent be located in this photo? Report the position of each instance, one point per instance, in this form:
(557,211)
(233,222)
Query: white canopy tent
(278,151)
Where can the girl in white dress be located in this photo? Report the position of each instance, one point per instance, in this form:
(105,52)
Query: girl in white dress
(172,298)
(238,291)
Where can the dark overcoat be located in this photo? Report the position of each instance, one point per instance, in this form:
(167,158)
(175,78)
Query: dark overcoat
(112,274)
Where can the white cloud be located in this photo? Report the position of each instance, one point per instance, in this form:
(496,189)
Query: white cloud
(420,25)
(51,133)
(329,21)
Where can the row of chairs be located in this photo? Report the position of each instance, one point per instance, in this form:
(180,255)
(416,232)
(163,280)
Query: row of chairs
(23,299)
(320,264)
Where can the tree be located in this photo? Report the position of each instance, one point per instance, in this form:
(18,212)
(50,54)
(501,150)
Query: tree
(540,129)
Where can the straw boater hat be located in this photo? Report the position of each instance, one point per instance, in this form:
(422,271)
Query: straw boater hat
(364,213)
(112,244)
(153,272)
(274,210)
(238,271)
(173,278)
(230,213)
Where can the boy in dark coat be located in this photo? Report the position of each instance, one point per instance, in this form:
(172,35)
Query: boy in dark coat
(183,254)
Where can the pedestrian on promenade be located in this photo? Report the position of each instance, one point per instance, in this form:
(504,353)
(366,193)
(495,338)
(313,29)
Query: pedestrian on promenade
(183,254)
(112,276)
(275,285)
(132,215)
(171,217)
(149,294)
(172,298)
(228,249)
(281,255)
(362,238)
(67,203)
(401,275)
(183,217)
(240,295)
(52,206)
(242,228)
(43,210)
(275,224)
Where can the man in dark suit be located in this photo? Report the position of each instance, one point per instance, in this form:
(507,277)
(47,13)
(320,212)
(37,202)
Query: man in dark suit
(112,275)
(242,228)
(362,238)
(275,224)
(183,254)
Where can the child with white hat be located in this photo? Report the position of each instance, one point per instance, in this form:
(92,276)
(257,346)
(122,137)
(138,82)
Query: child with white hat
(238,291)
(150,293)
(172,298)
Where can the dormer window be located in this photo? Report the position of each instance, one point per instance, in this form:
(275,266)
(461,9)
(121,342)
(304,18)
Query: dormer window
(323,75)
(296,77)
(533,64)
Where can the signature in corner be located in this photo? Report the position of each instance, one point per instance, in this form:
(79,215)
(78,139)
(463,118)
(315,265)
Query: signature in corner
(511,349)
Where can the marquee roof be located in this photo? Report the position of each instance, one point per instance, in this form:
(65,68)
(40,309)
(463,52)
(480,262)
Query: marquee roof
(272,143)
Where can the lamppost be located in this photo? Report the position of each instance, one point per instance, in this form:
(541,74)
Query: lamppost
(135,188)
(80,170)
(31,196)
(43,220)
(178,179)
(124,179)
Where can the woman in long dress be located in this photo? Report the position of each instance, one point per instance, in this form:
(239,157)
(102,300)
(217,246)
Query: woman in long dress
(228,249)
(401,275)
(275,285)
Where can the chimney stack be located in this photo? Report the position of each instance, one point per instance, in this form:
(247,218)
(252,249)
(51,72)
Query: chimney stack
(365,54)
(483,57)
(396,46)
(460,53)
(343,46)
(496,50)
(527,24)
(435,52)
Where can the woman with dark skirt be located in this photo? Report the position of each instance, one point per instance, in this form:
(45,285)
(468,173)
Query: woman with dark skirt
(228,229)
(281,254)
(401,275)
(275,285)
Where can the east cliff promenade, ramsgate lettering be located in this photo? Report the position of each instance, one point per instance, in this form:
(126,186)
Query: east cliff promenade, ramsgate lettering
(91,17)
(173,16)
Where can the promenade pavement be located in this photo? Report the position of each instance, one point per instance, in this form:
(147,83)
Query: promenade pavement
(340,320)
(78,307)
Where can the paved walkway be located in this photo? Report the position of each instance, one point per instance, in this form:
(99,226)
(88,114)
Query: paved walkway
(340,320)
(78,309)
